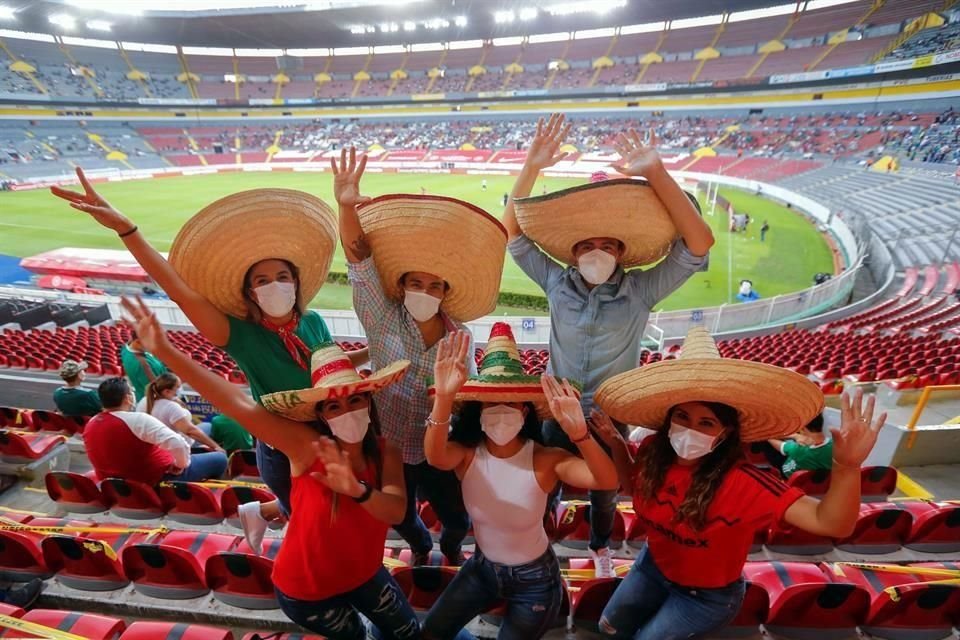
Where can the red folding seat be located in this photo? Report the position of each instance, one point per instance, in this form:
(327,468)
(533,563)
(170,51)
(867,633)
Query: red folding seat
(752,613)
(423,585)
(936,526)
(588,600)
(242,579)
(190,503)
(803,602)
(882,527)
(50,421)
(272,635)
(85,625)
(13,418)
(23,448)
(20,556)
(173,566)
(573,527)
(877,483)
(75,492)
(621,566)
(141,630)
(232,497)
(11,611)
(243,465)
(812,483)
(131,499)
(90,560)
(783,538)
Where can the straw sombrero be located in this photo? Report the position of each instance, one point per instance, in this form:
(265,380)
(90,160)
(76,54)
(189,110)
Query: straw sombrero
(333,376)
(216,247)
(452,239)
(771,402)
(625,209)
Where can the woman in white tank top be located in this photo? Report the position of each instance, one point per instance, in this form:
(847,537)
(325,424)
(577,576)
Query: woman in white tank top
(506,477)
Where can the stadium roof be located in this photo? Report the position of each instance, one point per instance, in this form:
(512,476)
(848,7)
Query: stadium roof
(344,23)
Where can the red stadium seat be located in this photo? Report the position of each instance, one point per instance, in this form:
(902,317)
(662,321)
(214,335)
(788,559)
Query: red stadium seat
(20,556)
(85,625)
(90,560)
(190,503)
(233,497)
(131,499)
(936,526)
(877,484)
(573,527)
(783,538)
(812,483)
(242,579)
(75,492)
(173,567)
(50,421)
(271,635)
(23,448)
(752,613)
(881,528)
(423,585)
(588,600)
(13,418)
(243,465)
(173,631)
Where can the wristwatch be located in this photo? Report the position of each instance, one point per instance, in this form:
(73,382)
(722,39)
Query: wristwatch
(367,492)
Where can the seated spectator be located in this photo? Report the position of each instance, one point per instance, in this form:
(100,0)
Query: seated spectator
(24,596)
(122,443)
(140,366)
(809,449)
(71,399)
(229,433)
(163,403)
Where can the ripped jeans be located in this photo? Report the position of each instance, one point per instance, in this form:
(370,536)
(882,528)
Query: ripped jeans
(379,600)
(532,591)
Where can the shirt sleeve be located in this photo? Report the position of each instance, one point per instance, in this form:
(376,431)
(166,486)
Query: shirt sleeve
(151,430)
(788,447)
(653,285)
(370,301)
(471,357)
(763,497)
(531,259)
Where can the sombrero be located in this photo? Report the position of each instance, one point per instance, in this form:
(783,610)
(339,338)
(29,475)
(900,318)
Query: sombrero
(625,209)
(333,376)
(449,238)
(771,402)
(215,248)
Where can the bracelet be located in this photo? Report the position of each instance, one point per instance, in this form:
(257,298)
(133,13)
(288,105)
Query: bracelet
(586,436)
(433,423)
(844,466)
(129,232)
(367,492)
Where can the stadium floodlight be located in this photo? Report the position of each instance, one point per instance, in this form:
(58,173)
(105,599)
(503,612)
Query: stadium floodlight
(7,13)
(528,13)
(436,23)
(389,27)
(702,21)
(361,29)
(409,25)
(595,6)
(63,21)
(460,21)
(98,25)
(504,17)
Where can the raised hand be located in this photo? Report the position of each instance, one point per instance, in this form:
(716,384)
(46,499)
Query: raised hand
(857,434)
(565,405)
(450,368)
(145,322)
(543,149)
(93,203)
(337,474)
(602,425)
(346,178)
(636,158)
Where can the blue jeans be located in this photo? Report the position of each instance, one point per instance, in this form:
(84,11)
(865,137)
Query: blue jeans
(533,594)
(442,490)
(203,466)
(379,600)
(275,472)
(647,606)
(603,504)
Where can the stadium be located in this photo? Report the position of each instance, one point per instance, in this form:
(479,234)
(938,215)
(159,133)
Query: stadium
(820,139)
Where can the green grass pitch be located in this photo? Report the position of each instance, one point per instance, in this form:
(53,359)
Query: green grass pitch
(35,221)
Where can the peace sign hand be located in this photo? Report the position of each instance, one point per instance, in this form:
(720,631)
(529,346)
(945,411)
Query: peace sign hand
(543,149)
(450,368)
(93,203)
(346,178)
(565,406)
(857,434)
(636,158)
(146,324)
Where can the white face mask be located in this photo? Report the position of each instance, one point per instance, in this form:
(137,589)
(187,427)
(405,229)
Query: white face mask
(690,444)
(501,423)
(596,266)
(422,306)
(745,287)
(352,426)
(277,298)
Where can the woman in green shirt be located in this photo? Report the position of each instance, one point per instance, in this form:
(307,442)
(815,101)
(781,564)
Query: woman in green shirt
(243,270)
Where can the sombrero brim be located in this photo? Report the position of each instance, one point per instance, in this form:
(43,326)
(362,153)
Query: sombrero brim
(771,402)
(300,405)
(449,238)
(625,209)
(518,389)
(215,248)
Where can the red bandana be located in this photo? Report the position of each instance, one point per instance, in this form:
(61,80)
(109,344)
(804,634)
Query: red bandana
(294,345)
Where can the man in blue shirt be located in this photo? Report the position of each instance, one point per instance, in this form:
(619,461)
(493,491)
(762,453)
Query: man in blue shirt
(597,310)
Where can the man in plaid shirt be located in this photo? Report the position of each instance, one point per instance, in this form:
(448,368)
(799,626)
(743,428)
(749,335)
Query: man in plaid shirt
(393,333)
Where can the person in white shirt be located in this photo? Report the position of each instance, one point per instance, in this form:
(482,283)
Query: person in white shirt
(162,402)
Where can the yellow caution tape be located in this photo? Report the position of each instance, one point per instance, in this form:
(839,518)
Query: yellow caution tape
(37,630)
(894,592)
(25,528)
(222,484)
(896,568)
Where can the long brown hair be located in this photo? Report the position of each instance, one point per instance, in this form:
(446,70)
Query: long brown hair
(655,460)
(254,313)
(163,382)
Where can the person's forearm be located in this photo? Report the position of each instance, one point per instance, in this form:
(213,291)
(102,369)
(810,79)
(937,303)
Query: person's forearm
(839,509)
(385,507)
(351,235)
(695,232)
(601,466)
(156,266)
(436,437)
(521,189)
(359,357)
(198,435)
(623,462)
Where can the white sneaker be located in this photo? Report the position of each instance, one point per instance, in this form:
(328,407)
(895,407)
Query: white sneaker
(253,524)
(602,562)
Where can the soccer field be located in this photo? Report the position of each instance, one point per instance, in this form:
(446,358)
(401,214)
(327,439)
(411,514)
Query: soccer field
(35,221)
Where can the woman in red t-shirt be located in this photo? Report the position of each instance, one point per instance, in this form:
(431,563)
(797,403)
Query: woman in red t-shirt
(347,487)
(700,502)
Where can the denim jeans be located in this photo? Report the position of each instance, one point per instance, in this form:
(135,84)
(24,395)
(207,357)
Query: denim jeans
(647,606)
(379,600)
(203,466)
(442,490)
(275,472)
(603,504)
(533,593)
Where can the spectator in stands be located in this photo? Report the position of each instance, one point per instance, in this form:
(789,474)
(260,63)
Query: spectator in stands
(746,292)
(810,449)
(347,487)
(140,366)
(407,321)
(598,310)
(122,443)
(273,249)
(72,399)
(506,477)
(701,502)
(163,403)
(230,434)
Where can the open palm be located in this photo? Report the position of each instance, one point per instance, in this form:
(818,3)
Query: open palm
(564,404)
(545,144)
(858,431)
(346,178)
(636,158)
(450,367)
(337,474)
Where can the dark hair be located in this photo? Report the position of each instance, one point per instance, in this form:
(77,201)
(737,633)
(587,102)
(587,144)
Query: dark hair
(403,279)
(254,313)
(158,385)
(71,379)
(655,459)
(816,425)
(468,432)
(113,391)
(620,244)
